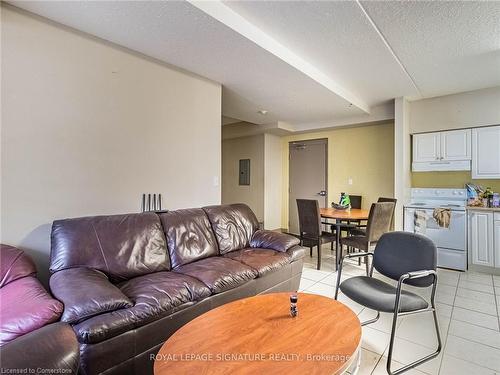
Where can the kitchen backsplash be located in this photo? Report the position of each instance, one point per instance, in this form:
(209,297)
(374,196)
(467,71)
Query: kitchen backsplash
(449,180)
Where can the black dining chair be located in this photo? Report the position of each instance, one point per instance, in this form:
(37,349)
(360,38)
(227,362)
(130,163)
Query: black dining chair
(379,222)
(310,227)
(407,258)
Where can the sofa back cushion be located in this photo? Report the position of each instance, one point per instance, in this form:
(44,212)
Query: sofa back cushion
(14,264)
(121,246)
(233,225)
(189,236)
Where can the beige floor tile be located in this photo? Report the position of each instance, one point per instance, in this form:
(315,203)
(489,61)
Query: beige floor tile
(382,364)
(407,351)
(384,323)
(443,309)
(315,275)
(481,355)
(482,307)
(475,296)
(448,277)
(479,278)
(374,340)
(456,366)
(475,333)
(420,329)
(305,283)
(368,362)
(443,288)
(475,286)
(474,317)
(321,289)
(444,298)
(357,308)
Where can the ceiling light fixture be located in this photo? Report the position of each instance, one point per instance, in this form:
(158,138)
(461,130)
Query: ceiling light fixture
(262,112)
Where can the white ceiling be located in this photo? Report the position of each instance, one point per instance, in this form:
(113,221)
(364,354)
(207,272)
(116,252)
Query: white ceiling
(305,62)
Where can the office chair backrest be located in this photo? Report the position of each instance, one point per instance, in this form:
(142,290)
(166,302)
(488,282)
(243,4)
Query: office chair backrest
(309,218)
(397,253)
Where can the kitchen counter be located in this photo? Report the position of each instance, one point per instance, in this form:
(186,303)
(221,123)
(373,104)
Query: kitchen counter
(494,209)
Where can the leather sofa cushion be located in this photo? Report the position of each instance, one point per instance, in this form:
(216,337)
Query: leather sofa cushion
(267,239)
(154,296)
(121,246)
(25,306)
(86,292)
(233,224)
(14,264)
(218,273)
(189,236)
(261,260)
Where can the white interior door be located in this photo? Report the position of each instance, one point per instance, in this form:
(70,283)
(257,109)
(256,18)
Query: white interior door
(307,176)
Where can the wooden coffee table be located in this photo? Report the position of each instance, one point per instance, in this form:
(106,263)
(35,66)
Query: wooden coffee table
(257,335)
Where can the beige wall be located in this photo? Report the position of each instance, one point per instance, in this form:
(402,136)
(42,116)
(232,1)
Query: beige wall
(87,127)
(244,148)
(464,110)
(273,189)
(364,154)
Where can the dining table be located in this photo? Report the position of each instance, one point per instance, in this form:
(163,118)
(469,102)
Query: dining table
(340,218)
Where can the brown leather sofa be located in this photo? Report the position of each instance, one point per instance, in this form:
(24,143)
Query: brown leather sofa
(30,338)
(128,282)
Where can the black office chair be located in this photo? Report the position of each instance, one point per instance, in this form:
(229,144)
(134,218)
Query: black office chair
(408,258)
(310,227)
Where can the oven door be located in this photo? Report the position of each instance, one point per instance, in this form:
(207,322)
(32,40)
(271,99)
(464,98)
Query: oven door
(453,237)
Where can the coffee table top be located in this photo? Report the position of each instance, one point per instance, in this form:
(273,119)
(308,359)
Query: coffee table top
(257,335)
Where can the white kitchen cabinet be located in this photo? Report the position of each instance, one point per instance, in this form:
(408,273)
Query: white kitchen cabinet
(481,238)
(496,241)
(426,147)
(442,151)
(456,145)
(486,152)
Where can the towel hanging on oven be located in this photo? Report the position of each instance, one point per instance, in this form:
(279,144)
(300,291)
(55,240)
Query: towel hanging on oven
(442,217)
(421,218)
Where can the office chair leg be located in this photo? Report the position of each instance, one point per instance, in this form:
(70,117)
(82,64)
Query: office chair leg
(393,335)
(311,251)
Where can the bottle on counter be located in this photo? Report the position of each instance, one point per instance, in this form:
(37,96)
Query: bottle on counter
(488,194)
(293,305)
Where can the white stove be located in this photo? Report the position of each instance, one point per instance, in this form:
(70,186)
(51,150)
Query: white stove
(452,241)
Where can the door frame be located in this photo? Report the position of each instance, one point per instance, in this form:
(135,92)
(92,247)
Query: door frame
(327,196)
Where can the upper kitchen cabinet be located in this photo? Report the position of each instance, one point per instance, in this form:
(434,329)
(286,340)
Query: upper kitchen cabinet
(455,145)
(426,147)
(442,151)
(486,152)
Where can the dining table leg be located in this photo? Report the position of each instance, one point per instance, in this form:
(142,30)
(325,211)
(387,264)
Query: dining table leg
(337,246)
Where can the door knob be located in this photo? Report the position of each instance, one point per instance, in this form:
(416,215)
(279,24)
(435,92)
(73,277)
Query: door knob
(322,193)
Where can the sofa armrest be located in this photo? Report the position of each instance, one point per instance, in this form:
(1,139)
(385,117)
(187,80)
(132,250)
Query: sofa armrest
(52,347)
(267,239)
(86,292)
(296,252)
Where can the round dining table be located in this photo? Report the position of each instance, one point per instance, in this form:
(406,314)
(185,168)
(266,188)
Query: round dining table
(340,216)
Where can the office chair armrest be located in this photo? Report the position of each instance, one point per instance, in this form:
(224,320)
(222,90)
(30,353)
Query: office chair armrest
(419,274)
(339,272)
(415,275)
(356,255)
